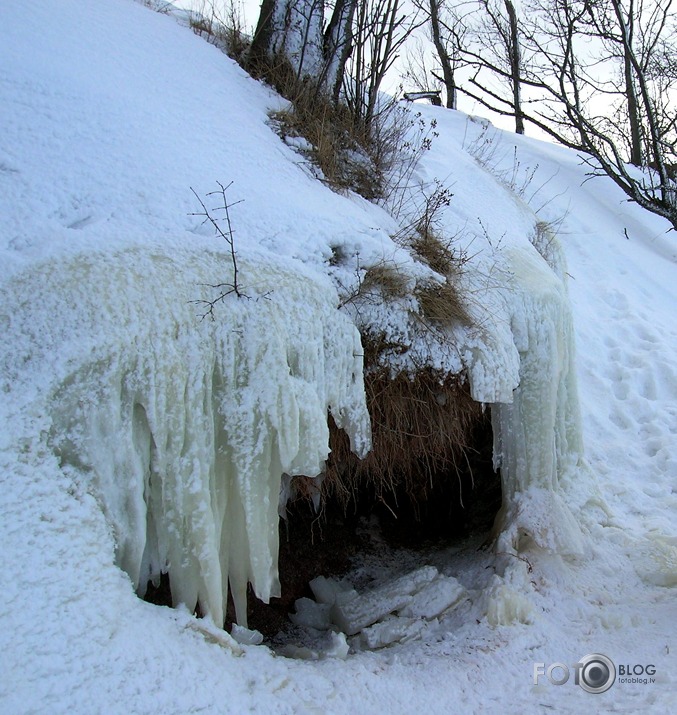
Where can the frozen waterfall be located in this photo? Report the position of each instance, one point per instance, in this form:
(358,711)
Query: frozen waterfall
(184,427)
(536,421)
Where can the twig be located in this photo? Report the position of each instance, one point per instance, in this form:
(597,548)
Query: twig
(229,237)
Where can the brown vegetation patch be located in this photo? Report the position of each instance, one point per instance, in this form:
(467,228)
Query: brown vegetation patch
(422,431)
(441,303)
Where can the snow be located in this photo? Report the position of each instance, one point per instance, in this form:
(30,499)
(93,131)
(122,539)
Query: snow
(110,114)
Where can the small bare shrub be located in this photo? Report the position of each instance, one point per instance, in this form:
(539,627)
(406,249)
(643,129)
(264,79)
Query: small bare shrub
(227,233)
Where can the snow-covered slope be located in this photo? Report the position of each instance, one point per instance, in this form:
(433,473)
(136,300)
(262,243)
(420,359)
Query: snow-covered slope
(109,115)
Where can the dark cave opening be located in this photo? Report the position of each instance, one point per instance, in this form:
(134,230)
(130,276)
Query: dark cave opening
(442,507)
(453,507)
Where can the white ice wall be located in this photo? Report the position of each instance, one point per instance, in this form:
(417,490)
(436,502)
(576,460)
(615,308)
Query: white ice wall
(537,428)
(183,427)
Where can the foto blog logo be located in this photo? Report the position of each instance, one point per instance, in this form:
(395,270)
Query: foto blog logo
(595,673)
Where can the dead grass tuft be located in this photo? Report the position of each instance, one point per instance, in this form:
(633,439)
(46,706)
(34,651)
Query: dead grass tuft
(421,428)
(386,278)
(436,253)
(441,303)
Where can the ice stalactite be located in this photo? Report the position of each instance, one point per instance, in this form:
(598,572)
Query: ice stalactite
(185,427)
(536,420)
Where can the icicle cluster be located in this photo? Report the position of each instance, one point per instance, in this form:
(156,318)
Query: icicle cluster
(535,413)
(187,426)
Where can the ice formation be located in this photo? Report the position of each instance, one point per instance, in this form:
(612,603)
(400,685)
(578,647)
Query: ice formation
(398,610)
(182,426)
(537,430)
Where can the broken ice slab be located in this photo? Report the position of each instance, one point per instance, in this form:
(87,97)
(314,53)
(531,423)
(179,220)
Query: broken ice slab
(328,590)
(245,636)
(392,630)
(310,614)
(434,598)
(362,611)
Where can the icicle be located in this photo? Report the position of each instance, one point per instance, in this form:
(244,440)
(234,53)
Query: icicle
(187,426)
(537,431)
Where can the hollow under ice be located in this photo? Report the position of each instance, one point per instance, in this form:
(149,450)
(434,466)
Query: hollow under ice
(185,427)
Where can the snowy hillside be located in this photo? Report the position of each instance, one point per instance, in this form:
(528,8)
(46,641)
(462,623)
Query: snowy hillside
(137,432)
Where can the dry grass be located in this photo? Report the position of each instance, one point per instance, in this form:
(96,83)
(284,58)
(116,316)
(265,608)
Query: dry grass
(421,428)
(435,252)
(387,279)
(351,153)
(338,147)
(441,304)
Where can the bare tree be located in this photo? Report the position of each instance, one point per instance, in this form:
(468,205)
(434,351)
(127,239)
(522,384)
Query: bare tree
(613,103)
(497,51)
(449,35)
(381,27)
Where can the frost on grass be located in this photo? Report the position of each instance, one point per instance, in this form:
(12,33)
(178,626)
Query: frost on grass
(184,427)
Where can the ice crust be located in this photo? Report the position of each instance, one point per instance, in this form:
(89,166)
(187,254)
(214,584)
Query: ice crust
(184,426)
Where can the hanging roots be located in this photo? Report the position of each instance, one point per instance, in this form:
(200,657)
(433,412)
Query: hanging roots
(422,431)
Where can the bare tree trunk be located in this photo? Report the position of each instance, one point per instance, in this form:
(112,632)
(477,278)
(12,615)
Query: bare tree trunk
(260,48)
(290,30)
(515,65)
(445,60)
(338,44)
(626,33)
(633,114)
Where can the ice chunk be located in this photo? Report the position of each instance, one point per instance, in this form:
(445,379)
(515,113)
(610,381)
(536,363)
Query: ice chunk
(310,614)
(369,607)
(245,636)
(435,597)
(393,629)
(328,590)
(299,652)
(338,646)
(506,606)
